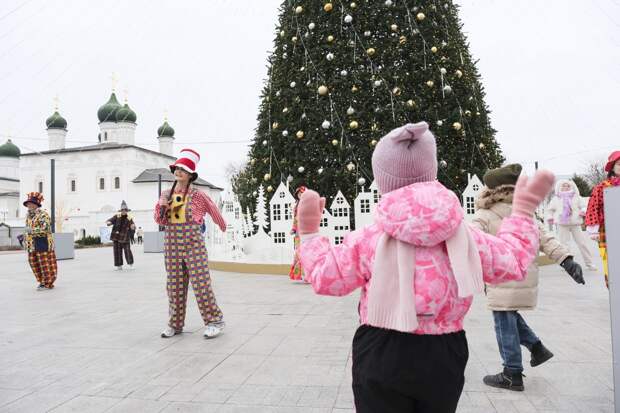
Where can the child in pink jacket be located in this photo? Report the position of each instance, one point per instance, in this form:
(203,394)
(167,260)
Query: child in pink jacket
(418,266)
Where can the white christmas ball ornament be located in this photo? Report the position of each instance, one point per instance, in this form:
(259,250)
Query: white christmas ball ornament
(264,143)
(330,56)
(361,181)
(254,193)
(439,123)
(343,72)
(388,3)
(348,18)
(293,84)
(447,89)
(443,163)
(320,171)
(299,9)
(311,26)
(443,70)
(367,33)
(285,133)
(325,124)
(301,169)
(350,166)
(350,111)
(377,83)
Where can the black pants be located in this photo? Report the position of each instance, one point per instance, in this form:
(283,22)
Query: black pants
(396,372)
(119,248)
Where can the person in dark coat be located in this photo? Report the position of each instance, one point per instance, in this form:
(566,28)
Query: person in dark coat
(122,225)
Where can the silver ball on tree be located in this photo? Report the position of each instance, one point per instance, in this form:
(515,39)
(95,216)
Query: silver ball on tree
(443,70)
(348,18)
(447,89)
(293,84)
(343,72)
(311,26)
(330,56)
(326,124)
(350,166)
(361,182)
(301,169)
(367,33)
(264,143)
(285,133)
(320,171)
(388,3)
(377,83)
(443,163)
(440,123)
(350,111)
(254,194)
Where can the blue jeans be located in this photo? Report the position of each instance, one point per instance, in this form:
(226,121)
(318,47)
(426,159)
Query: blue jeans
(512,332)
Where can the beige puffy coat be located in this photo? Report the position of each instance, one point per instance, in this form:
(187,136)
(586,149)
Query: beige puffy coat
(493,206)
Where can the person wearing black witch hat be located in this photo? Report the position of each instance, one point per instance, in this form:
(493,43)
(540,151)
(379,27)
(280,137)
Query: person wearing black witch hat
(122,224)
(39,242)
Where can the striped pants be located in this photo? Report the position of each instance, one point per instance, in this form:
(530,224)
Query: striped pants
(44,267)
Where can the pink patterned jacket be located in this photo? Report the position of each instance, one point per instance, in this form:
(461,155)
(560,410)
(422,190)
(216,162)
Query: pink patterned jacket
(425,215)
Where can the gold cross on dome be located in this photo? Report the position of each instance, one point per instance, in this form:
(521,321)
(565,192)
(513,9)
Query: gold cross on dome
(165,115)
(56,102)
(126,93)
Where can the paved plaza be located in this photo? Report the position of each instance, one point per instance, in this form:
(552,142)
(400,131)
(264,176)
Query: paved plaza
(92,345)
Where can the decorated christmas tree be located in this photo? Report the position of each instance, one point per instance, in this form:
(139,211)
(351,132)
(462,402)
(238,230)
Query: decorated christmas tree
(343,74)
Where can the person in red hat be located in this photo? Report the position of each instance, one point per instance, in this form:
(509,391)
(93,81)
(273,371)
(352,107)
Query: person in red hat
(181,210)
(296,273)
(39,242)
(595,214)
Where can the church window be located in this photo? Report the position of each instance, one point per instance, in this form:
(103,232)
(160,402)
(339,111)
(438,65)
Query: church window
(117,183)
(40,186)
(102,184)
(73,187)
(105,136)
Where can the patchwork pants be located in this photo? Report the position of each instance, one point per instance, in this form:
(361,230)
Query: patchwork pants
(44,267)
(187,262)
(119,248)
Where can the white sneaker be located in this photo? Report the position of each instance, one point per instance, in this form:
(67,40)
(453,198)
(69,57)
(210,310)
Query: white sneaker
(591,267)
(214,329)
(130,266)
(170,332)
(118,268)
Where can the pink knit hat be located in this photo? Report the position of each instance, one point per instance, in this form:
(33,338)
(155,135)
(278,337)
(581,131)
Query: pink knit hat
(405,156)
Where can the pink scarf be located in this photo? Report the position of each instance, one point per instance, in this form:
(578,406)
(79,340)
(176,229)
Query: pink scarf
(391,295)
(567,209)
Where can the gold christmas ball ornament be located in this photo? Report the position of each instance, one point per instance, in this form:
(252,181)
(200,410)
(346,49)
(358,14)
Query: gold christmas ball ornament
(353,124)
(481,146)
(402,40)
(300,134)
(396,91)
(267,177)
(353,5)
(299,10)
(373,142)
(254,180)
(323,90)
(394,27)
(477,113)
(330,38)
(354,89)
(370,51)
(374,127)
(468,113)
(350,167)
(411,103)
(294,39)
(430,83)
(274,125)
(420,16)
(269,188)
(335,142)
(328,7)
(458,74)
(282,33)
(434,49)
(457,126)
(285,110)
(252,161)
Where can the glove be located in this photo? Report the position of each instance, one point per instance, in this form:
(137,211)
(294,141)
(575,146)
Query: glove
(309,211)
(529,193)
(573,269)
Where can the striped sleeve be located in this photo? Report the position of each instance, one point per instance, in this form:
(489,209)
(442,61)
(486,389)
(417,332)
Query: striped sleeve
(201,205)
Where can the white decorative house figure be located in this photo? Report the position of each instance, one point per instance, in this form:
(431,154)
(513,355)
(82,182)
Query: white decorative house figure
(365,205)
(340,221)
(231,211)
(470,194)
(281,215)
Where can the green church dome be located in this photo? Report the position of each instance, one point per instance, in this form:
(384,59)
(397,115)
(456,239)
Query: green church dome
(56,121)
(126,114)
(165,130)
(107,112)
(9,150)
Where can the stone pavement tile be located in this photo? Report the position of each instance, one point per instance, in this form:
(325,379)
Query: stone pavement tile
(297,371)
(474,409)
(150,391)
(194,368)
(215,393)
(234,408)
(234,370)
(477,399)
(184,391)
(186,407)
(504,406)
(8,395)
(226,344)
(345,397)
(261,345)
(138,406)
(84,404)
(323,396)
(37,402)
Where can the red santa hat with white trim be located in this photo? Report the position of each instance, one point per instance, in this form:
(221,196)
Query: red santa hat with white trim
(188,161)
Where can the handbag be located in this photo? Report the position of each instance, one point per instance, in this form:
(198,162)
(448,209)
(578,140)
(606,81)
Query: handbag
(41,244)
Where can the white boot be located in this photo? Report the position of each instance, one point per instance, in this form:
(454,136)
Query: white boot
(214,329)
(118,268)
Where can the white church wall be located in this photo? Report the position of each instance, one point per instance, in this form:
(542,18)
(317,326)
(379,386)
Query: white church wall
(9,168)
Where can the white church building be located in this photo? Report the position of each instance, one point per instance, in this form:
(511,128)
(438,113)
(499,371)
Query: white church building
(91,181)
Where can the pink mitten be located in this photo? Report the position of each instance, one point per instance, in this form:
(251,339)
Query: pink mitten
(529,193)
(309,211)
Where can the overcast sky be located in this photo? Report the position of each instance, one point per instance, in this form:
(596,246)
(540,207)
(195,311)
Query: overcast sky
(550,70)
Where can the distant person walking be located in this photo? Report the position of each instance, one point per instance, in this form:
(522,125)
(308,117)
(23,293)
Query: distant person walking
(140,235)
(122,224)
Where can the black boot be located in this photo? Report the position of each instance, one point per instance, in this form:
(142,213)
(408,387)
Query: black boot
(505,380)
(540,354)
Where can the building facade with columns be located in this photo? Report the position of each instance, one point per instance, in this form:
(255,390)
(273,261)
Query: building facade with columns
(91,181)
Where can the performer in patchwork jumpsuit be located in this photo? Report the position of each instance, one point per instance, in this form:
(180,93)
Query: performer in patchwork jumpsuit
(181,211)
(595,214)
(39,242)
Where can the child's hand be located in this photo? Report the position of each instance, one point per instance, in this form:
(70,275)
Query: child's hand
(309,212)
